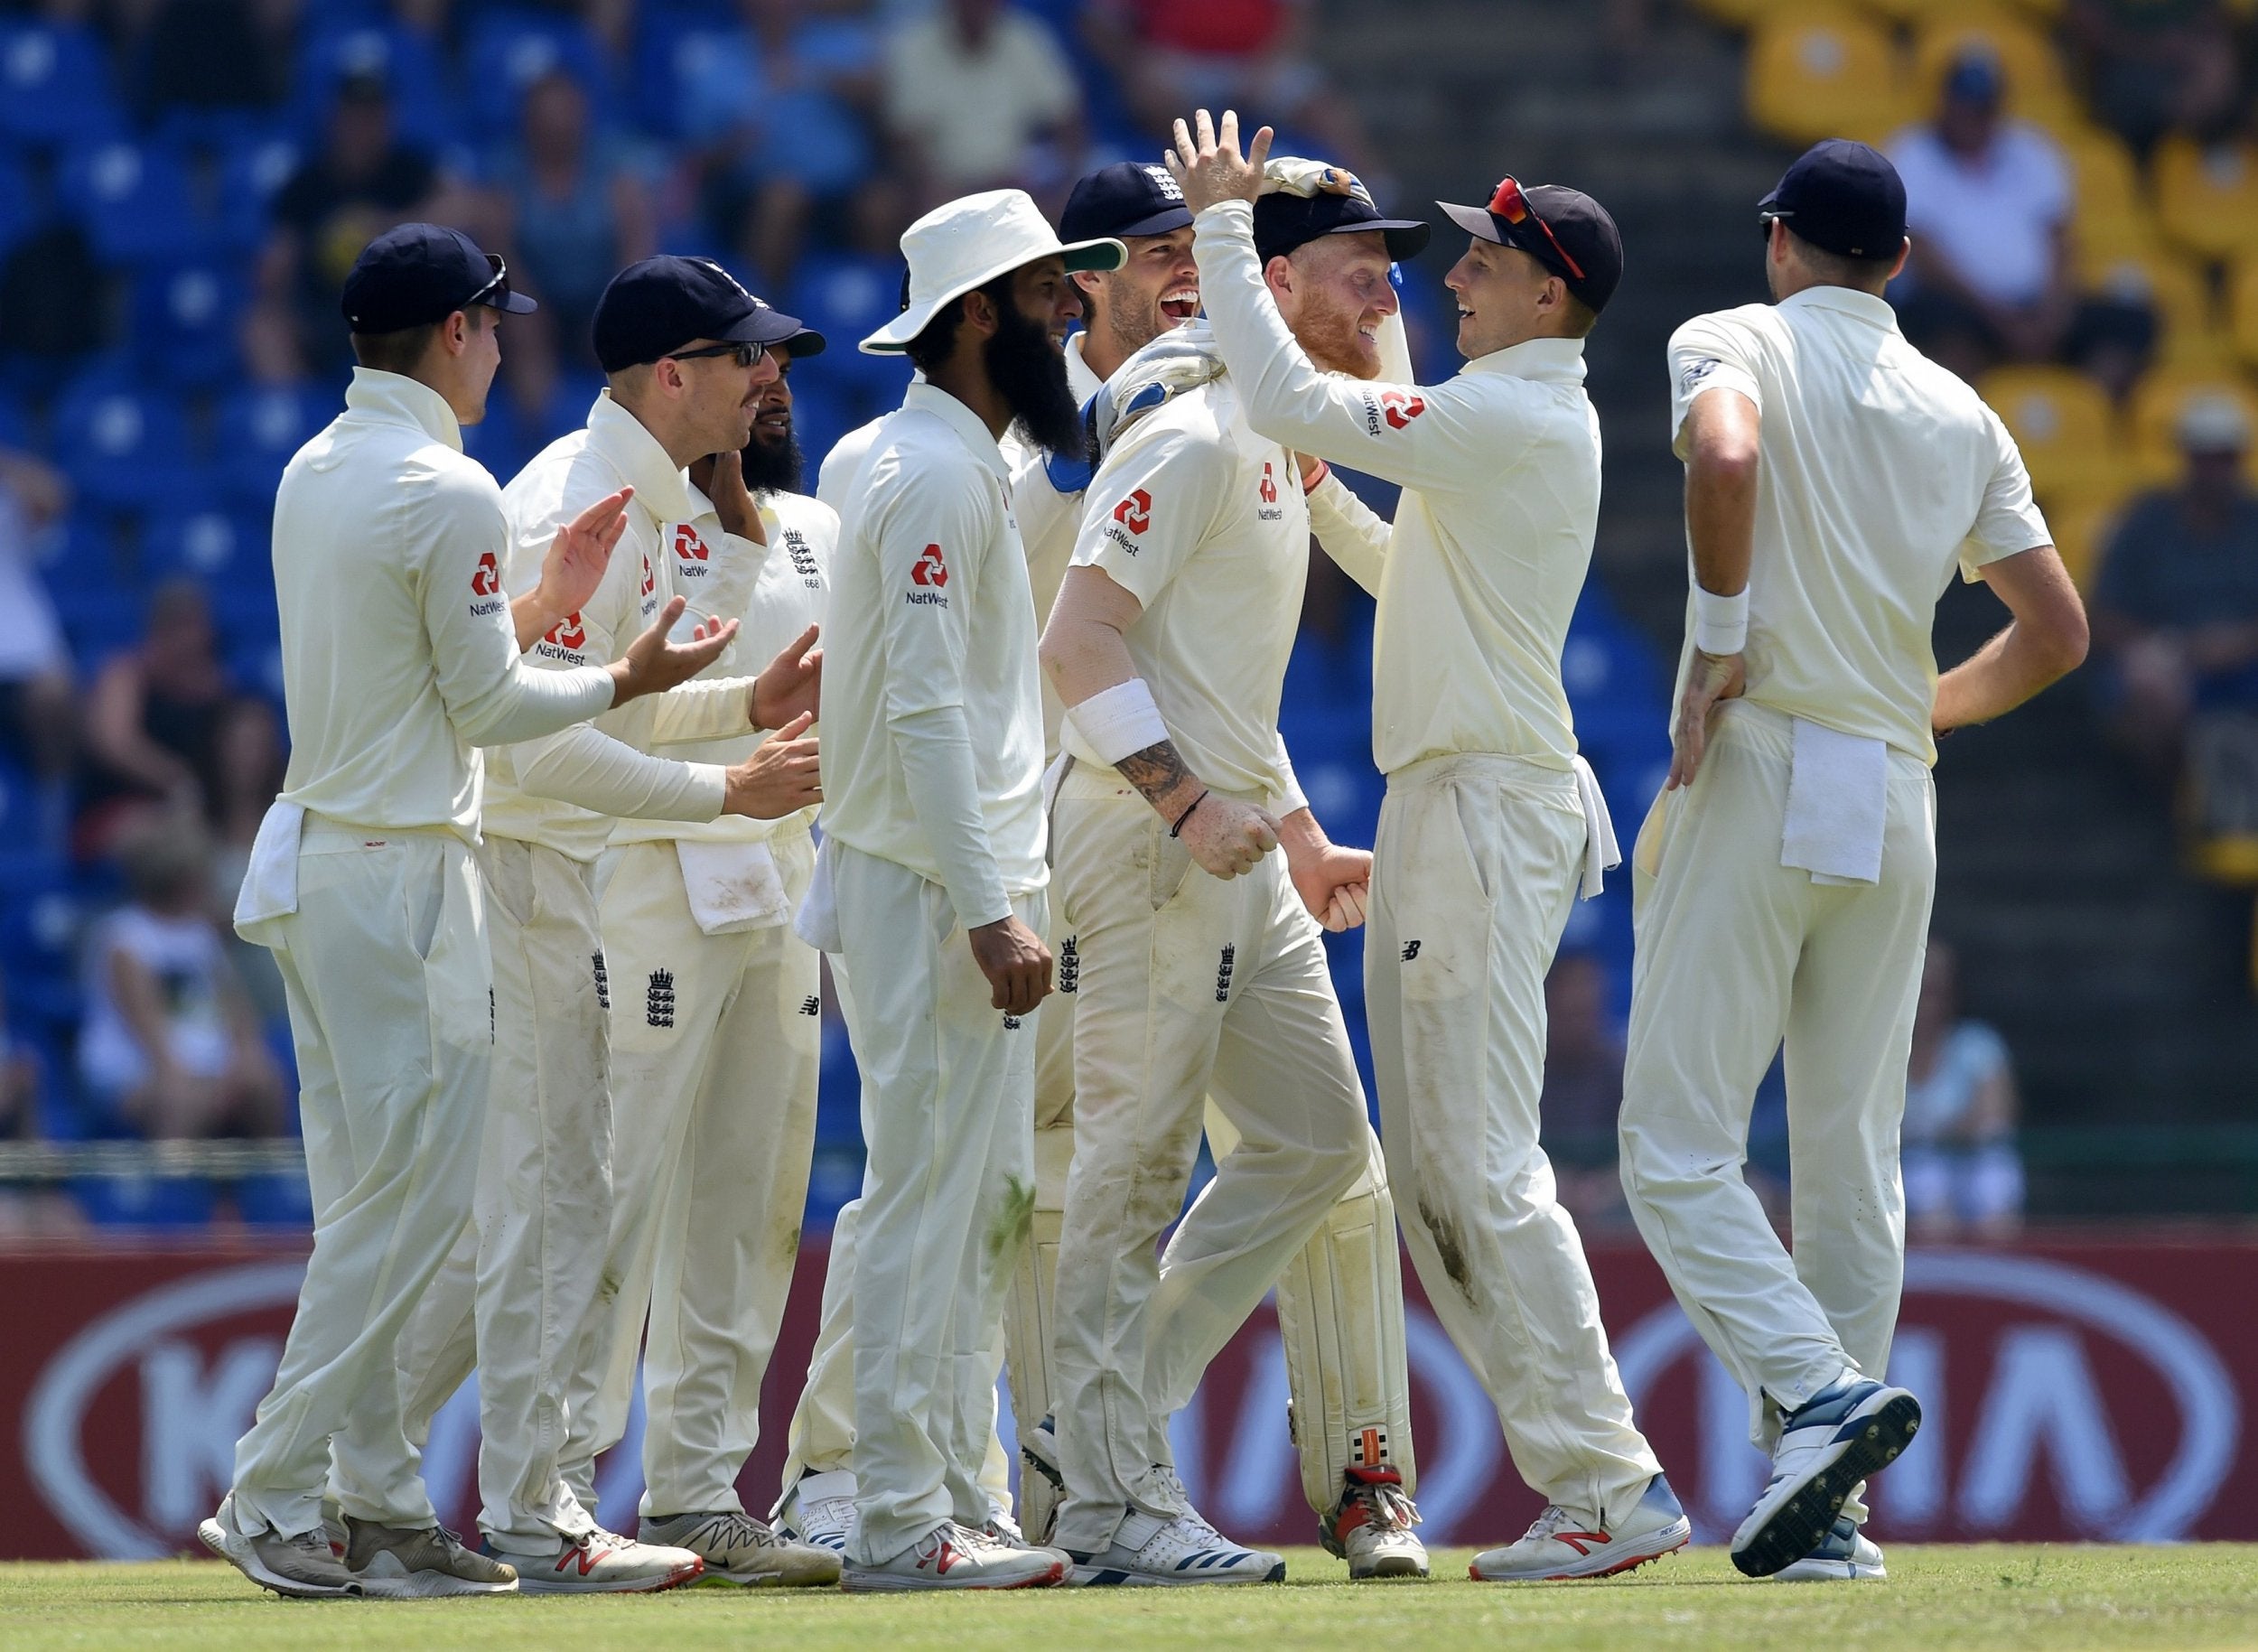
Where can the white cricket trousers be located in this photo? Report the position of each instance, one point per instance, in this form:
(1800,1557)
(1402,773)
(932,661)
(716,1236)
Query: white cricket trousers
(714,1045)
(949,1085)
(1736,952)
(1190,986)
(385,965)
(518,1293)
(1474,871)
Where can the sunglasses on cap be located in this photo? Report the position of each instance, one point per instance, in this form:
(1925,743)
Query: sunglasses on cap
(1510,204)
(746,354)
(498,287)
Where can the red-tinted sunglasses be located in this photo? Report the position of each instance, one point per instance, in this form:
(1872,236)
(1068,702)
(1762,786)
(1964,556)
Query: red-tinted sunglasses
(1510,204)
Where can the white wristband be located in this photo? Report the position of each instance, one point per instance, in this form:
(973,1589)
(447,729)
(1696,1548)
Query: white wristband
(1720,623)
(1119,721)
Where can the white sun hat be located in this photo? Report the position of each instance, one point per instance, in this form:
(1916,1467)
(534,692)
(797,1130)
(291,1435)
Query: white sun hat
(967,243)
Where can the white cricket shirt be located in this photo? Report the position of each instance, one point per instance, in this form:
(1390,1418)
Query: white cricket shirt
(1049,521)
(932,744)
(774,591)
(1492,538)
(1879,471)
(398,653)
(1203,522)
(564,792)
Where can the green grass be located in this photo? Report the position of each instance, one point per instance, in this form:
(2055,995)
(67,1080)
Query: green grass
(2199,1596)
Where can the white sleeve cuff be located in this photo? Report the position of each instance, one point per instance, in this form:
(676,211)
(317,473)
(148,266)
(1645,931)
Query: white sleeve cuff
(1120,720)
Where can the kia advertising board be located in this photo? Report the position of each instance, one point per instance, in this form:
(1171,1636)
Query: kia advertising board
(2072,1390)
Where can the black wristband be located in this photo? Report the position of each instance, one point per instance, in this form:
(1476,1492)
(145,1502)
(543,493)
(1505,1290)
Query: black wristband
(1177,830)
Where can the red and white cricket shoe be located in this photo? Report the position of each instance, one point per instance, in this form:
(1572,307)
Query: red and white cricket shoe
(1564,1543)
(954,1556)
(599,1561)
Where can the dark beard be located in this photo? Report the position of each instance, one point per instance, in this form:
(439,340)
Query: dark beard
(774,467)
(1031,377)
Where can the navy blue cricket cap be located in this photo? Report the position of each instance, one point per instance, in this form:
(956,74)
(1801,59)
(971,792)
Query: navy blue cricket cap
(1844,198)
(418,274)
(1284,221)
(1565,229)
(1126,198)
(656,307)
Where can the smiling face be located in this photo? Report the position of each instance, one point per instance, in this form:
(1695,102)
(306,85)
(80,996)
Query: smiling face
(1157,289)
(772,458)
(721,400)
(1334,293)
(1505,297)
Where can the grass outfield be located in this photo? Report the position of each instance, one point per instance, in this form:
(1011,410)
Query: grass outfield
(2047,1597)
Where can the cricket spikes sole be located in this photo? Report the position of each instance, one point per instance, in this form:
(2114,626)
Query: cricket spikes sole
(1039,1452)
(1561,1545)
(954,1556)
(1827,1446)
(302,1568)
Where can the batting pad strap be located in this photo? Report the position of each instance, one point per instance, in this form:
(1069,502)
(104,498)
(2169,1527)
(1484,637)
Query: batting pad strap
(1720,623)
(1120,720)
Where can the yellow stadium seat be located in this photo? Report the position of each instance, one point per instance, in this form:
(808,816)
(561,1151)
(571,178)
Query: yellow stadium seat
(2035,88)
(2061,420)
(2180,295)
(1824,73)
(2158,401)
(2208,199)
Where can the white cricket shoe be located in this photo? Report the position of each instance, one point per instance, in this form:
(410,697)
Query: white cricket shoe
(598,1561)
(412,1563)
(1150,1552)
(1370,1527)
(1835,1440)
(1562,1543)
(739,1549)
(303,1567)
(1845,1555)
(1038,1462)
(954,1556)
(819,1508)
(1000,1528)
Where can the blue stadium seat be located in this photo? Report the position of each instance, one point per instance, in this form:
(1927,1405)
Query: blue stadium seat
(410,63)
(39,930)
(846,297)
(144,1201)
(54,82)
(185,315)
(19,210)
(508,49)
(251,172)
(261,426)
(133,199)
(219,548)
(123,445)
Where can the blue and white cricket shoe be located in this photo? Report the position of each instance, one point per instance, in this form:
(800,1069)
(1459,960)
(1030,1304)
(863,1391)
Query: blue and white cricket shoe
(1149,1552)
(1562,1543)
(1844,1555)
(818,1509)
(1839,1437)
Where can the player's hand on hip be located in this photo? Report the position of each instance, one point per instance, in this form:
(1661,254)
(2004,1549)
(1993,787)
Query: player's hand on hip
(781,777)
(652,665)
(1332,883)
(791,685)
(1016,963)
(1208,165)
(574,565)
(1710,680)
(1226,837)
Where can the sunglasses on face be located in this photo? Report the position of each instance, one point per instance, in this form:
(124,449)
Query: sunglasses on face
(745,354)
(1510,204)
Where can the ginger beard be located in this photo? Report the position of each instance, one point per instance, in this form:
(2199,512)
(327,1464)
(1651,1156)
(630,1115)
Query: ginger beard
(1334,294)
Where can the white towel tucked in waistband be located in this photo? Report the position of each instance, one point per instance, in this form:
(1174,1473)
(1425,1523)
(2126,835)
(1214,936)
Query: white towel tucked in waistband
(270,882)
(732,887)
(1600,851)
(1838,797)
(819,920)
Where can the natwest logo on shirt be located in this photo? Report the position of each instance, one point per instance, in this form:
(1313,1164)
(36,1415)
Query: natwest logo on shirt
(690,552)
(485,579)
(1135,512)
(1269,489)
(651,578)
(929,572)
(1400,407)
(564,640)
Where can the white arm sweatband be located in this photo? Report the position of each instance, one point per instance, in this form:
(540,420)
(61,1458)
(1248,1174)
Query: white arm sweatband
(1119,721)
(1720,623)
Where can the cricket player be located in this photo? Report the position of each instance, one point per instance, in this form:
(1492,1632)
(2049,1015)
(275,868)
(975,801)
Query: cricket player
(1492,822)
(685,349)
(400,656)
(931,880)
(715,1080)
(1782,881)
(1201,968)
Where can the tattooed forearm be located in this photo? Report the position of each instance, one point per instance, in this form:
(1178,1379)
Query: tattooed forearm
(1159,773)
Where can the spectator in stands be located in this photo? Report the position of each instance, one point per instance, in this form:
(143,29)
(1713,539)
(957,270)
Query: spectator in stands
(154,721)
(2176,606)
(779,108)
(578,207)
(974,91)
(1172,56)
(31,1208)
(364,179)
(1988,202)
(171,1049)
(37,698)
(2156,65)
(1963,1178)
(1583,1092)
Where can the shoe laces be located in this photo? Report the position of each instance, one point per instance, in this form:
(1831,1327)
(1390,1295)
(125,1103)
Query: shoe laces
(1384,1504)
(313,1542)
(732,1528)
(1553,1519)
